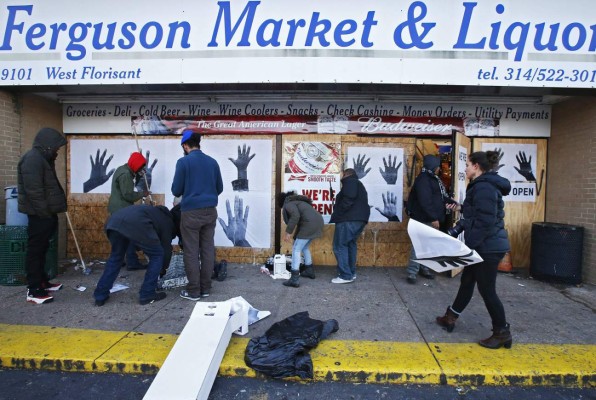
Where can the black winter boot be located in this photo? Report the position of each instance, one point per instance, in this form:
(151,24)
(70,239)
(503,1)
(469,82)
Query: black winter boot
(447,321)
(308,272)
(293,281)
(500,337)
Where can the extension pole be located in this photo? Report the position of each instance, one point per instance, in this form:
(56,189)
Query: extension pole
(76,242)
(134,132)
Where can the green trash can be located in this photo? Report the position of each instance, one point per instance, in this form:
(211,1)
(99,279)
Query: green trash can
(13,249)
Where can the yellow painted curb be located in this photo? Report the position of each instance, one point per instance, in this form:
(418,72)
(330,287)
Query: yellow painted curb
(62,349)
(566,365)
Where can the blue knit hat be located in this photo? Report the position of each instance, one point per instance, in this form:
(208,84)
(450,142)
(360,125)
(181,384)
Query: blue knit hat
(186,134)
(431,162)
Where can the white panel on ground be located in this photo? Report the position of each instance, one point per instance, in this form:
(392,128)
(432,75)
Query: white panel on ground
(190,369)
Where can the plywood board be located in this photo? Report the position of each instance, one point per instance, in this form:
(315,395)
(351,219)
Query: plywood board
(519,216)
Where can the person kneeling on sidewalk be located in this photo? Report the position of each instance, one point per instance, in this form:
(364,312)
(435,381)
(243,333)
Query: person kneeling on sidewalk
(151,228)
(307,224)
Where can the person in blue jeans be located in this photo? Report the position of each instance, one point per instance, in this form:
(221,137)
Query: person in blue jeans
(307,224)
(350,215)
(151,228)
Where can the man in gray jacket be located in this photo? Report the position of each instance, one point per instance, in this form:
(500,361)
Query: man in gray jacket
(41,197)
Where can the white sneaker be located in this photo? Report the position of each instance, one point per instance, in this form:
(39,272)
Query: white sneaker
(340,280)
(38,296)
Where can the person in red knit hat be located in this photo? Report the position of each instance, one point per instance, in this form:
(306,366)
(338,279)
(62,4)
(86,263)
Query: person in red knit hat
(123,195)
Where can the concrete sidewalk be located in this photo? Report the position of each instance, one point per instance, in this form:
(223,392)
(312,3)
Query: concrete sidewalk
(386,331)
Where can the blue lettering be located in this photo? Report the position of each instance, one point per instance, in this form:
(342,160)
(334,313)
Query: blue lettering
(520,44)
(581,39)
(109,42)
(368,23)
(312,30)
(10,25)
(274,39)
(550,45)
(32,34)
(224,12)
(463,30)
(81,37)
(185,34)
(345,28)
(128,29)
(294,25)
(144,33)
(75,39)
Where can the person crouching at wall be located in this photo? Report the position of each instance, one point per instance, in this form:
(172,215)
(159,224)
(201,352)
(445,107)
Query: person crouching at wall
(307,224)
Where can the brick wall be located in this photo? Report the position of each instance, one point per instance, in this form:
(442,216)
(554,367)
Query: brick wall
(10,143)
(571,185)
(21,117)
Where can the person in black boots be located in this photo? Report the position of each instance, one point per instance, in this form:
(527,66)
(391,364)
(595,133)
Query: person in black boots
(426,204)
(484,231)
(41,197)
(307,224)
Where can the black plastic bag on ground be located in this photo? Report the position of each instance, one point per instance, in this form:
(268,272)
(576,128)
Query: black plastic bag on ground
(283,350)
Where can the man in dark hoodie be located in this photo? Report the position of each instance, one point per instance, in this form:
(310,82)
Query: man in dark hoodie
(151,228)
(350,215)
(426,204)
(41,197)
(306,224)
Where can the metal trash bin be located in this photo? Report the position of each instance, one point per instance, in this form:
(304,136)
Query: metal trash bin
(13,250)
(556,253)
(13,216)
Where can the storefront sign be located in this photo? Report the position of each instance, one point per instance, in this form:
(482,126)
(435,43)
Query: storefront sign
(313,169)
(361,118)
(428,42)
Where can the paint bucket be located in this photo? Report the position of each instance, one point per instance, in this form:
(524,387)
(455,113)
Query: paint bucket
(279,264)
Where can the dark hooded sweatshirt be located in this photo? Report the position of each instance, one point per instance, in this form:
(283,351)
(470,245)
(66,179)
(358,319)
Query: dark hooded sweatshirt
(483,214)
(40,192)
(351,203)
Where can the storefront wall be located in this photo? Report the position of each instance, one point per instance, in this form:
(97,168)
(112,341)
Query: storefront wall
(480,45)
(571,193)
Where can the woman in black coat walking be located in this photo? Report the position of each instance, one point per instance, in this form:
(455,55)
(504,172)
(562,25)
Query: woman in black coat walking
(484,231)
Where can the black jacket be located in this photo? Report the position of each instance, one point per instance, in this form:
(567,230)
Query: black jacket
(301,218)
(351,203)
(483,214)
(426,203)
(151,226)
(40,192)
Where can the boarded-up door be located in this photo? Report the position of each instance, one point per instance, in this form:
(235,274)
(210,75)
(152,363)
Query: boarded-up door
(462,146)
(524,164)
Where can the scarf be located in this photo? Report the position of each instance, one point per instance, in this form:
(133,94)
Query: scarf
(444,194)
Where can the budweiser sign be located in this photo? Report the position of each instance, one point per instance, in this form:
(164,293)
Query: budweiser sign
(406,126)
